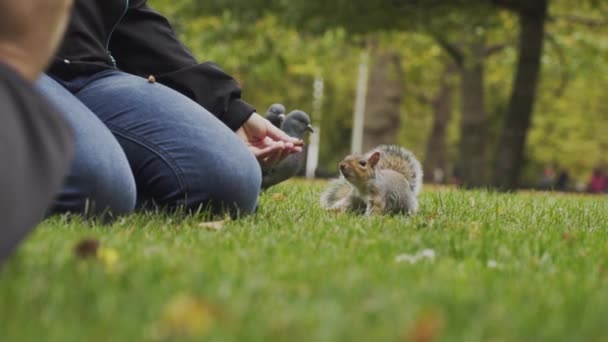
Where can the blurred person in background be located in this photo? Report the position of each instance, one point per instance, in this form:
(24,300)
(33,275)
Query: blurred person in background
(35,141)
(546,182)
(562,183)
(598,183)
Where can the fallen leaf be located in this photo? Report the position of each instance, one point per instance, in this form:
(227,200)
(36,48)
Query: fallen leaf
(427,328)
(86,248)
(499,210)
(602,271)
(336,210)
(475,230)
(187,315)
(278,197)
(568,237)
(214,225)
(534,261)
(108,256)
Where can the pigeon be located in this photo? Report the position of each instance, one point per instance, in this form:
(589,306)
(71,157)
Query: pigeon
(295,124)
(276,114)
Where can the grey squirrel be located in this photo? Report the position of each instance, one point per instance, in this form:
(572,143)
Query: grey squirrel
(385,180)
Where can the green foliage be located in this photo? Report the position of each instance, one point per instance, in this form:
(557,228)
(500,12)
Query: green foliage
(275,63)
(506,267)
(276,56)
(571,118)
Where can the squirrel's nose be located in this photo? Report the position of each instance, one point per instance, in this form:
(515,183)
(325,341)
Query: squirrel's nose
(342,166)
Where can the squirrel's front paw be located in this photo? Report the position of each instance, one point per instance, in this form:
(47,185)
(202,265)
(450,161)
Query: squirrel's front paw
(375,207)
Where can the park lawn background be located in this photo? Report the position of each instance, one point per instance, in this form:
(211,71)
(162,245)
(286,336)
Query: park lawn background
(471,266)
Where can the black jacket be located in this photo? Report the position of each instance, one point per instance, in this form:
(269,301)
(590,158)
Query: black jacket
(132,37)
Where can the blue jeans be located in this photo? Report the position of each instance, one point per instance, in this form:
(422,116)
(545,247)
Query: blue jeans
(141,144)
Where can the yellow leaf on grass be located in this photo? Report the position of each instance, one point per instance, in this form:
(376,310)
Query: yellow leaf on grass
(499,210)
(427,328)
(475,230)
(187,315)
(279,197)
(108,256)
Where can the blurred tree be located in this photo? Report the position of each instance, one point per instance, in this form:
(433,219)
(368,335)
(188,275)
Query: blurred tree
(436,160)
(469,59)
(440,18)
(570,121)
(278,57)
(509,161)
(384,96)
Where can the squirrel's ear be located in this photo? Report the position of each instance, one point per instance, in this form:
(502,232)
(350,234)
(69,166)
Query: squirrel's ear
(373,159)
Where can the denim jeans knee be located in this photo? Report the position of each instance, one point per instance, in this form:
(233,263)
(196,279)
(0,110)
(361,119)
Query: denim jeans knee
(100,178)
(181,154)
(236,185)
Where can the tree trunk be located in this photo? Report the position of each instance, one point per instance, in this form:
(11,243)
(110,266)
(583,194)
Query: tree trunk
(384,97)
(511,145)
(473,122)
(436,149)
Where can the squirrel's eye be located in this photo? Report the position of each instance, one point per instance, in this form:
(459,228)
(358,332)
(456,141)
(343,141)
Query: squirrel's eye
(362,162)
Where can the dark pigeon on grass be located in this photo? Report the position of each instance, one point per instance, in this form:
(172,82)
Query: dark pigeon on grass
(296,124)
(276,114)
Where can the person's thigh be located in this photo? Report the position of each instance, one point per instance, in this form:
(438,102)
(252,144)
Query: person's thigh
(181,155)
(100,179)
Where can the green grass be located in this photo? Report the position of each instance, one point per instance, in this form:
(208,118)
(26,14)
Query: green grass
(507,267)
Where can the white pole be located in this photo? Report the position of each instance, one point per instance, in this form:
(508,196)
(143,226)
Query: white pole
(359,114)
(312,156)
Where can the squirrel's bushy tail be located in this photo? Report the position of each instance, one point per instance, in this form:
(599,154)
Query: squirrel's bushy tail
(336,190)
(401,160)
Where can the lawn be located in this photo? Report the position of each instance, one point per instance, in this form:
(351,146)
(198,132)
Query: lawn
(471,266)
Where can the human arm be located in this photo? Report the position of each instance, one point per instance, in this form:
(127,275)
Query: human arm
(144,43)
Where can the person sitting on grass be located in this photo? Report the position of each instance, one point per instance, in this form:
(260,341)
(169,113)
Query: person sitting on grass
(153,127)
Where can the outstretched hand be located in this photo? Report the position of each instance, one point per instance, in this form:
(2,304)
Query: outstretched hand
(267,143)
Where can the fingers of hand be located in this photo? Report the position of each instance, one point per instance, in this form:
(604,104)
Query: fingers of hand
(274,152)
(272,160)
(279,135)
(265,150)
